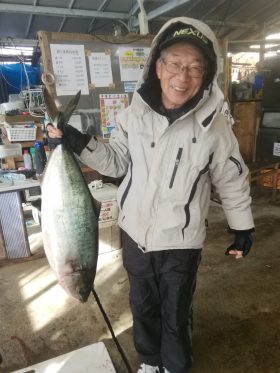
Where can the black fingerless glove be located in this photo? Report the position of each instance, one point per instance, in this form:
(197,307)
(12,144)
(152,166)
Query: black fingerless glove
(53,142)
(72,138)
(243,241)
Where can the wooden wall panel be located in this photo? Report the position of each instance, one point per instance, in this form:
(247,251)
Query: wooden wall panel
(246,116)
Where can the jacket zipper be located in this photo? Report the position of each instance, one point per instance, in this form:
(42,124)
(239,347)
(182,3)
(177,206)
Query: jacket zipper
(125,193)
(193,191)
(176,165)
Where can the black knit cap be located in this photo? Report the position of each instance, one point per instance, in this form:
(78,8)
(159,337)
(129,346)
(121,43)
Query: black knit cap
(181,32)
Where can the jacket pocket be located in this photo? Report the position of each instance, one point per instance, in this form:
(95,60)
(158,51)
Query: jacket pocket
(175,168)
(237,163)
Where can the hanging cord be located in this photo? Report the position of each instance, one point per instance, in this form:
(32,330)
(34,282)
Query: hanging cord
(119,347)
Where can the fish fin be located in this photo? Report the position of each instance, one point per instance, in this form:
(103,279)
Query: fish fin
(50,105)
(70,107)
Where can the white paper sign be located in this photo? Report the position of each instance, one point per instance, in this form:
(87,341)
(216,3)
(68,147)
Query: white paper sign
(132,61)
(69,66)
(100,69)
(276,149)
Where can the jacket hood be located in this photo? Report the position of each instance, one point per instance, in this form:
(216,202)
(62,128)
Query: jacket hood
(211,88)
(149,70)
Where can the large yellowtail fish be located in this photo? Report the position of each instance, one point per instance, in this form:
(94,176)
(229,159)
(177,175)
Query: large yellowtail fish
(69,215)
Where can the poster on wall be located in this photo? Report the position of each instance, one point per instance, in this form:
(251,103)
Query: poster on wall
(69,66)
(132,61)
(100,69)
(110,106)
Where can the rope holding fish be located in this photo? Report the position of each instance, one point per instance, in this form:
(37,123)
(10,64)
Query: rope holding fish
(119,347)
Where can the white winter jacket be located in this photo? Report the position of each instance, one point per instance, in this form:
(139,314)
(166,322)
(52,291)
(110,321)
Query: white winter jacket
(165,195)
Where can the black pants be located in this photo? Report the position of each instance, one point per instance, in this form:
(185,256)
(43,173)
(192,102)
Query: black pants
(162,284)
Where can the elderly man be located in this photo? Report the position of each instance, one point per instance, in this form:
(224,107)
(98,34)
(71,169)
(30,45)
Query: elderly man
(171,143)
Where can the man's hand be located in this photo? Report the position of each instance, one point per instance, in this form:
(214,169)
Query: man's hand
(242,244)
(55,136)
(54,132)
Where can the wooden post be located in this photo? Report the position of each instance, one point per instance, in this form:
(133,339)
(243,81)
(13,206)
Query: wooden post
(227,69)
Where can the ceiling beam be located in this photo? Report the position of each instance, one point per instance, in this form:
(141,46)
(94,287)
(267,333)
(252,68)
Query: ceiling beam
(212,10)
(243,49)
(255,41)
(29,22)
(60,12)
(64,18)
(100,8)
(134,9)
(237,25)
(170,5)
(239,9)
(18,42)
(273,19)
(12,58)
(210,22)
(269,4)
(192,6)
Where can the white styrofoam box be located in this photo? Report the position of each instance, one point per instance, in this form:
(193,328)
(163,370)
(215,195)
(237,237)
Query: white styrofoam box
(109,231)
(109,238)
(14,105)
(90,359)
(15,97)
(76,122)
(107,195)
(10,150)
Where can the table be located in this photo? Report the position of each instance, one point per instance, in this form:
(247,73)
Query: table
(12,224)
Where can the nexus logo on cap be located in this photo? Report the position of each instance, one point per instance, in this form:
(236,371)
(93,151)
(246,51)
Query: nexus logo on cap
(193,32)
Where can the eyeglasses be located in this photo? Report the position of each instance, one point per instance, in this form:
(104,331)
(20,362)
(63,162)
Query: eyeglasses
(195,71)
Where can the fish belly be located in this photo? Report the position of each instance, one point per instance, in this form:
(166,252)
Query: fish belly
(69,224)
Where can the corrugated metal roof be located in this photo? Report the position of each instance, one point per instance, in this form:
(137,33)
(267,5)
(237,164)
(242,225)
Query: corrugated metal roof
(235,20)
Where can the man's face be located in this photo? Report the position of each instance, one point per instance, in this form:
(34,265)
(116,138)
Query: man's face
(178,88)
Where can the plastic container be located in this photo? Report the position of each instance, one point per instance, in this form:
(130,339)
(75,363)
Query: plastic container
(14,176)
(10,150)
(32,153)
(27,160)
(40,157)
(19,132)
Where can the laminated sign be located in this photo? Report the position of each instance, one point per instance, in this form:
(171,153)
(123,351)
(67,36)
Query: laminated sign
(109,211)
(276,149)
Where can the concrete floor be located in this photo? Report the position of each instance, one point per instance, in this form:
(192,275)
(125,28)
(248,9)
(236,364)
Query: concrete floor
(236,306)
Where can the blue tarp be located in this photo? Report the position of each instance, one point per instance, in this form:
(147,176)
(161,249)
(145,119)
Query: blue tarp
(14,76)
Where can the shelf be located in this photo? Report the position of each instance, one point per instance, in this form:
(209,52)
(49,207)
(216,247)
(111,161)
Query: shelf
(19,118)
(13,163)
